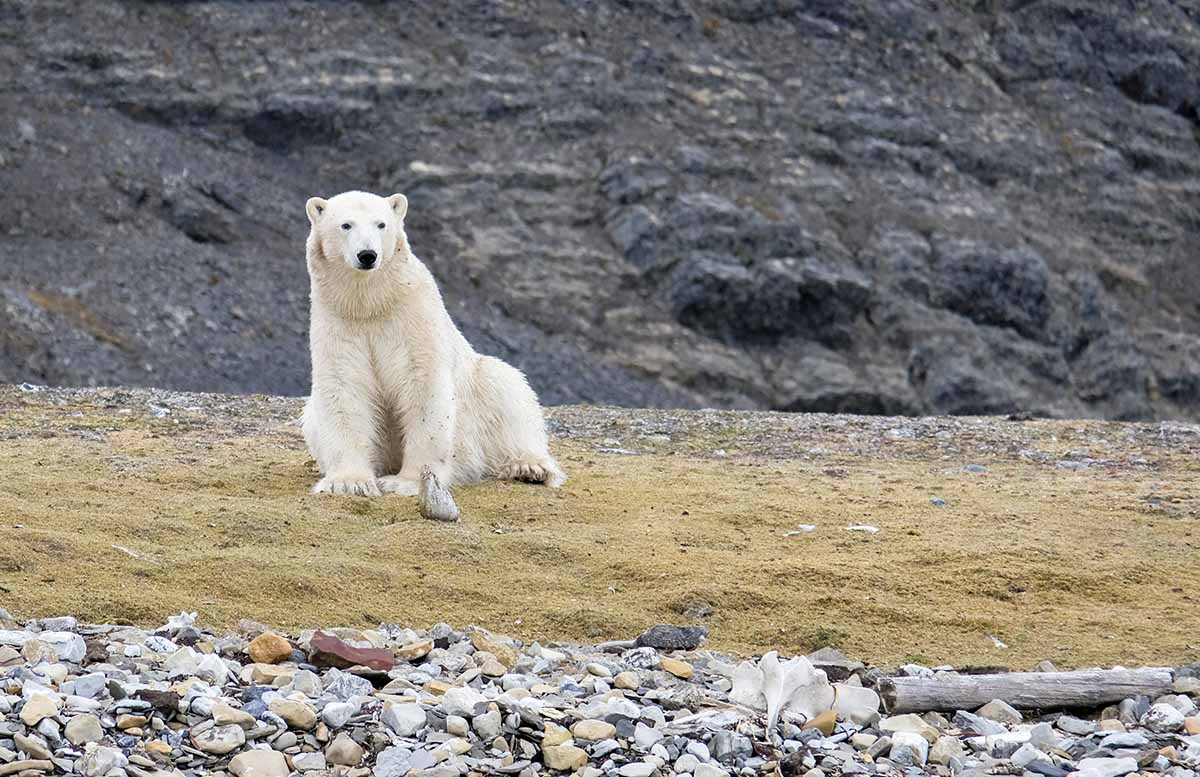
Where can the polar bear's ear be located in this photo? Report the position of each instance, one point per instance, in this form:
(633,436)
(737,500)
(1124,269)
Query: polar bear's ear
(399,204)
(315,207)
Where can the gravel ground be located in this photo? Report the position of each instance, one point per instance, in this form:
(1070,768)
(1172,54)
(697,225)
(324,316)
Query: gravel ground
(391,701)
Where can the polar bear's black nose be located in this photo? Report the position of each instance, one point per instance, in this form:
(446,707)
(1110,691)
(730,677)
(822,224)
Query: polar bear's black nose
(366,259)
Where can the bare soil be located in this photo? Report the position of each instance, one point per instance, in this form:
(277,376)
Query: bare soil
(1070,541)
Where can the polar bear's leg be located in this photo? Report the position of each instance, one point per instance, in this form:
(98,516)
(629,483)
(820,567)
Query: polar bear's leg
(340,432)
(512,429)
(429,418)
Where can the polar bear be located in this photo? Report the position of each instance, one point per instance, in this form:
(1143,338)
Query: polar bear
(395,386)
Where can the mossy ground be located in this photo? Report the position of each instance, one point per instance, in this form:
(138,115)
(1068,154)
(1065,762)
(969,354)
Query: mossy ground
(112,514)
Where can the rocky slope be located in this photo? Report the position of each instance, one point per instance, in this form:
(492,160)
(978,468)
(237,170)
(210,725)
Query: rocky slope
(902,207)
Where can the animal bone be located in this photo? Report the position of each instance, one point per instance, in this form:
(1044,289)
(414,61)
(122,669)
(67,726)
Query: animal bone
(794,686)
(436,503)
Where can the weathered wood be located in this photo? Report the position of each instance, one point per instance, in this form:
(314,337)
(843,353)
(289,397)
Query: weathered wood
(1024,690)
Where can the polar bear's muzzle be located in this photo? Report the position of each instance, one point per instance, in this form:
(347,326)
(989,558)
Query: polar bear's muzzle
(367,259)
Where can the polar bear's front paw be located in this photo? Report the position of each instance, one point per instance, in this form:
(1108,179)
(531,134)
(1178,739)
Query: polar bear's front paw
(348,485)
(395,484)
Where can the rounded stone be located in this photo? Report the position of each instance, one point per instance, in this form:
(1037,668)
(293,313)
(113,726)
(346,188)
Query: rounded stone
(564,758)
(259,763)
(82,729)
(269,648)
(593,730)
(297,714)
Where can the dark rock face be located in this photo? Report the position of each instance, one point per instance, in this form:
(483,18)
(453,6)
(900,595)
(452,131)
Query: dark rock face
(667,637)
(808,205)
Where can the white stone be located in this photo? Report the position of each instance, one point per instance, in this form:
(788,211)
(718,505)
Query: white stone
(1106,767)
(1076,726)
(636,769)
(101,761)
(181,663)
(338,713)
(944,749)
(212,669)
(309,762)
(393,762)
(646,737)
(910,723)
(1163,719)
(709,770)
(1027,754)
(909,748)
(461,701)
(89,686)
(15,638)
(999,711)
(405,720)
(1042,736)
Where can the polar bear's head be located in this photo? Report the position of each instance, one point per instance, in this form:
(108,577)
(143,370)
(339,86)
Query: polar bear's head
(363,230)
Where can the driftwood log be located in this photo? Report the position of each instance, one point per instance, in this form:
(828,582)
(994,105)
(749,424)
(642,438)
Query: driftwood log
(1024,690)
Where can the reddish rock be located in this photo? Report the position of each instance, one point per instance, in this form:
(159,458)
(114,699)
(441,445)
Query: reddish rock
(328,650)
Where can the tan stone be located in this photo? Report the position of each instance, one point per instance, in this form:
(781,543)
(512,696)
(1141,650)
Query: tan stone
(488,644)
(9,656)
(344,751)
(414,650)
(627,681)
(680,669)
(38,707)
(219,740)
(593,730)
(126,722)
(82,729)
(1192,725)
(224,715)
(32,747)
(554,735)
(16,767)
(564,758)
(269,648)
(259,763)
(158,749)
(266,674)
(297,714)
(36,652)
(436,687)
(911,723)
(823,722)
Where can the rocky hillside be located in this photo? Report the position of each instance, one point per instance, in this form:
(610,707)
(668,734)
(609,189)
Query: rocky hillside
(902,207)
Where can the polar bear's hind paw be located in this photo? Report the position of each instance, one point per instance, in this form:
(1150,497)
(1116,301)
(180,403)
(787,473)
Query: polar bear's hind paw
(545,472)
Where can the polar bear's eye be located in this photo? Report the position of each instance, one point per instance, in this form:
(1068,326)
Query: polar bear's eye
(381,225)
(346,226)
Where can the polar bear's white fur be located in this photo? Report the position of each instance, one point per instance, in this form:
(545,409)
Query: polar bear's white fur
(395,385)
